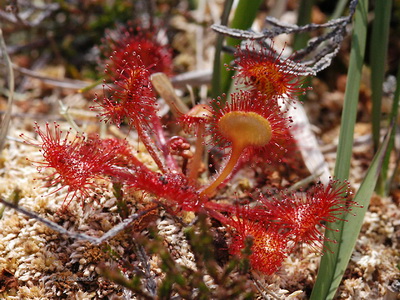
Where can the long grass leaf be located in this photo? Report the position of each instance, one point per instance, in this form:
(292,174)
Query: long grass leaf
(5,122)
(327,279)
(301,39)
(339,8)
(379,46)
(346,136)
(347,237)
(393,117)
(216,76)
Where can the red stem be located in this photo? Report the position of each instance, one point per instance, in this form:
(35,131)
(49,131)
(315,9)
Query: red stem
(151,147)
(160,138)
(194,165)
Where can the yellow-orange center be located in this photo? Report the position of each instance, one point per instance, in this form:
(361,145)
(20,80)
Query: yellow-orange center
(242,129)
(245,129)
(268,79)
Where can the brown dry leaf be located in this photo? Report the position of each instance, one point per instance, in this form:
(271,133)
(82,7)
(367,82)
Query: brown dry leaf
(7,281)
(144,221)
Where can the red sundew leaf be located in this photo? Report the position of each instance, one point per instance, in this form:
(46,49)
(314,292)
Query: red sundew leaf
(302,214)
(125,42)
(270,240)
(77,162)
(249,123)
(130,97)
(285,153)
(269,247)
(246,101)
(264,71)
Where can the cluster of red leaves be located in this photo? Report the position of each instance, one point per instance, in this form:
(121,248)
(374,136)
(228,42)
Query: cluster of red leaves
(79,164)
(133,54)
(272,224)
(275,224)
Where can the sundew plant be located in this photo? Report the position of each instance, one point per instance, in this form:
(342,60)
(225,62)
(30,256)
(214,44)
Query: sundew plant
(196,153)
(250,127)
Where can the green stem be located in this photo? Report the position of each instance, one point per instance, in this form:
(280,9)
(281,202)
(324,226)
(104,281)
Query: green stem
(346,135)
(91,86)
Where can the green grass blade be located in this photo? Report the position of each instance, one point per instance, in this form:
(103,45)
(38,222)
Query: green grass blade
(393,117)
(342,167)
(305,9)
(5,122)
(216,76)
(346,238)
(328,278)
(379,46)
(340,6)
(301,39)
(245,14)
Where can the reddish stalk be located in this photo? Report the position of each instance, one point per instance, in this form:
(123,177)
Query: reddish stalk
(195,120)
(151,148)
(195,163)
(159,132)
